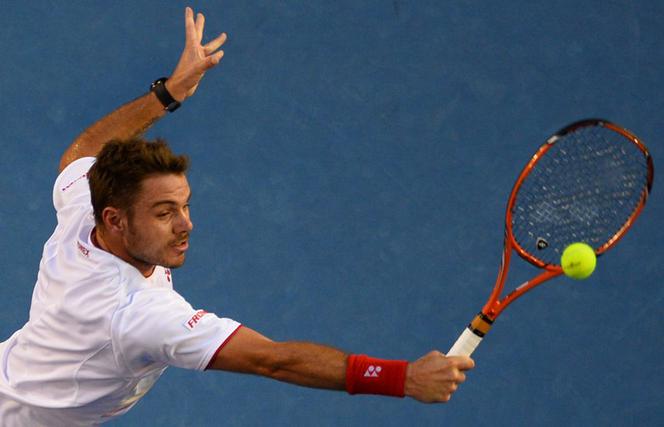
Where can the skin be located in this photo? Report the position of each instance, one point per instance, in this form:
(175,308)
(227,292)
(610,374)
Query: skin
(156,232)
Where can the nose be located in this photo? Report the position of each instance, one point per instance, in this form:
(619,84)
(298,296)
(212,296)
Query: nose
(184,223)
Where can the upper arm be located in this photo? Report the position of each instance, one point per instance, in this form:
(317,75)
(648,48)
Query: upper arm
(246,351)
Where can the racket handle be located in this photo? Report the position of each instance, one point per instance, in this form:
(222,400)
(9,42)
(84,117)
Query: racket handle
(465,344)
(471,337)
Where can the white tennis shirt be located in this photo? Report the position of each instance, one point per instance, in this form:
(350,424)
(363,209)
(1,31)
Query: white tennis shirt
(99,333)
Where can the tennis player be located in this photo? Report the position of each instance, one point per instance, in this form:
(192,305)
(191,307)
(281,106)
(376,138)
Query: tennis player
(105,321)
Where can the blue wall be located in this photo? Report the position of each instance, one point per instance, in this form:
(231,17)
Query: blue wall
(351,164)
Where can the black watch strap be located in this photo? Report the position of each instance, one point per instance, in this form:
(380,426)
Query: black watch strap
(159,89)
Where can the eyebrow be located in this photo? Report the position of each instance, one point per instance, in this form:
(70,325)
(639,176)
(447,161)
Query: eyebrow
(169,202)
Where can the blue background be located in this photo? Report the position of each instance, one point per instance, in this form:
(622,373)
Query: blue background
(351,164)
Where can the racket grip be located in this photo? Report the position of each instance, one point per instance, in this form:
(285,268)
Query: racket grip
(465,344)
(471,337)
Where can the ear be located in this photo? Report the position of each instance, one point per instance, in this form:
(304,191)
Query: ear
(115,220)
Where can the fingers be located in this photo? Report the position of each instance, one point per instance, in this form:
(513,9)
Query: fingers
(464,363)
(455,374)
(200,23)
(195,59)
(193,28)
(214,59)
(435,377)
(215,44)
(189,26)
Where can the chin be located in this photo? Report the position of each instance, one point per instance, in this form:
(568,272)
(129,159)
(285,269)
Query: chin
(174,263)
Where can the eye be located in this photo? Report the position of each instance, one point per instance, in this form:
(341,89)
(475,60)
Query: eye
(163,214)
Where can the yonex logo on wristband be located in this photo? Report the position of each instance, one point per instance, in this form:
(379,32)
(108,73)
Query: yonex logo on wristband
(373,371)
(370,375)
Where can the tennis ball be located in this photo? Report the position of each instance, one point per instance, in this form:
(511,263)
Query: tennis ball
(578,261)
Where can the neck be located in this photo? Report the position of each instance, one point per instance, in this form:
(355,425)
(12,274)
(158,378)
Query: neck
(98,240)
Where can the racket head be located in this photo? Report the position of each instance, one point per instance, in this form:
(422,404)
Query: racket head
(587,183)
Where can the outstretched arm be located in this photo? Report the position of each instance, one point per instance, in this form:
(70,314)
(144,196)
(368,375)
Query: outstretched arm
(432,378)
(138,115)
(301,363)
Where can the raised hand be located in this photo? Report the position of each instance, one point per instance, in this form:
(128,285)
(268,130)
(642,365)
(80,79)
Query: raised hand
(196,58)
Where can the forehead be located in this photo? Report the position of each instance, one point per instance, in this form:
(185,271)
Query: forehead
(163,188)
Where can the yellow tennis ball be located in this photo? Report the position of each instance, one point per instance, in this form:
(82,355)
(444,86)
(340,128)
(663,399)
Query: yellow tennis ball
(578,261)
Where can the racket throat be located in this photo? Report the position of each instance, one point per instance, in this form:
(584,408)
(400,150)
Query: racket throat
(481,324)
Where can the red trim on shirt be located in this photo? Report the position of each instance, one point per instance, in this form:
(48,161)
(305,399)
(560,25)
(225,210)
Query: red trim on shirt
(214,356)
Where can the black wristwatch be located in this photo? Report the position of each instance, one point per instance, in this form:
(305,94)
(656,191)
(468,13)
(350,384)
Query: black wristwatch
(159,89)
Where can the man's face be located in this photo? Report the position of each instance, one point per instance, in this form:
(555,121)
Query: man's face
(159,225)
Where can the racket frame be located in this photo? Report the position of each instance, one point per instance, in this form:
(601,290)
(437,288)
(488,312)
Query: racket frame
(482,323)
(494,305)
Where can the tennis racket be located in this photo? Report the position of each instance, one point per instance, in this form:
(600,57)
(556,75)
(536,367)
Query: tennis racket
(587,183)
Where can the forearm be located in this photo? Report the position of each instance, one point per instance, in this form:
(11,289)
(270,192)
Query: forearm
(130,120)
(432,378)
(309,365)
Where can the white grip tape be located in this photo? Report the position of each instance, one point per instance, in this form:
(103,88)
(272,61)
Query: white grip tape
(465,344)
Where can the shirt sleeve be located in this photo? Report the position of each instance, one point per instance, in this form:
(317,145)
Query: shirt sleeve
(71,186)
(159,326)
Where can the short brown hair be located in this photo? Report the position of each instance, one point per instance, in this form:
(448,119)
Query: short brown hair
(121,166)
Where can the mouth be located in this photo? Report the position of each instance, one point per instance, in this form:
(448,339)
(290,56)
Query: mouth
(181,246)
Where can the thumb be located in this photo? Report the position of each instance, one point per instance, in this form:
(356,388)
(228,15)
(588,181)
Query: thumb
(464,363)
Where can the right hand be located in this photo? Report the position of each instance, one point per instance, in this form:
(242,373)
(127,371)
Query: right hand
(196,58)
(434,377)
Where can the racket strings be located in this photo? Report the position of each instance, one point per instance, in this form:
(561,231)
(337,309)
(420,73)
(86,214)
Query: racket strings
(584,188)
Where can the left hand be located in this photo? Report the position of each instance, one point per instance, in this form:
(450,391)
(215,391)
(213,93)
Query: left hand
(196,58)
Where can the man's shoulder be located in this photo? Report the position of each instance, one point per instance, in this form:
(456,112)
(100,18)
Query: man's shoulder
(72,184)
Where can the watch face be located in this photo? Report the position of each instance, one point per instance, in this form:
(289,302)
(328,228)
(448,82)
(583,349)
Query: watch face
(157,82)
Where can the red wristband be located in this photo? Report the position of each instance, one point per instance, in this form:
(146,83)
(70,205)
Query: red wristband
(367,375)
